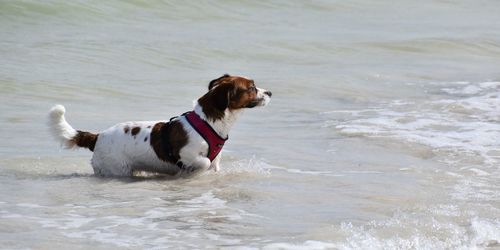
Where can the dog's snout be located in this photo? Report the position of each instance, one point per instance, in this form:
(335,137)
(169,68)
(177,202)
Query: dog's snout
(268,93)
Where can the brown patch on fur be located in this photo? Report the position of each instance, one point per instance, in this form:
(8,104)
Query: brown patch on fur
(135,131)
(245,95)
(126,129)
(167,139)
(218,81)
(156,141)
(231,92)
(85,140)
(216,101)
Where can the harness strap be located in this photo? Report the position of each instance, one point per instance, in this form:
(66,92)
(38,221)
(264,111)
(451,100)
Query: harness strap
(215,141)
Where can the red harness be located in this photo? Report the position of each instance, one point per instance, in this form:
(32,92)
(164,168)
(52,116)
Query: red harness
(215,142)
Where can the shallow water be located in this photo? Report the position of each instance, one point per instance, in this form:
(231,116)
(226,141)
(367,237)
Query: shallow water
(383,131)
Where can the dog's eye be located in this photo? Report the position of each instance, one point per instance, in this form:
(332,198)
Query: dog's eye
(252,89)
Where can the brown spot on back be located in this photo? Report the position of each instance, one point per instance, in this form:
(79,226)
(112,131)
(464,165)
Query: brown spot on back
(135,131)
(126,129)
(167,139)
(85,140)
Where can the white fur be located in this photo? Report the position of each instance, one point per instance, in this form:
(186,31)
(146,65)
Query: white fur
(261,95)
(117,153)
(59,128)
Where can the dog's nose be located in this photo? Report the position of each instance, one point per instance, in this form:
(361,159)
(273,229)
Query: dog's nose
(268,93)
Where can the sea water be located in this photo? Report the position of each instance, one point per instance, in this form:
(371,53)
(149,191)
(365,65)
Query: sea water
(383,131)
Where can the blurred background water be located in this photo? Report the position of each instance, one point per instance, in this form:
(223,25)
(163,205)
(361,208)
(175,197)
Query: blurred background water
(383,131)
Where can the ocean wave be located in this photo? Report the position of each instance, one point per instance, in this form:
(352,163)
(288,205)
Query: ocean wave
(460,124)
(425,230)
(120,226)
(464,123)
(446,46)
(429,228)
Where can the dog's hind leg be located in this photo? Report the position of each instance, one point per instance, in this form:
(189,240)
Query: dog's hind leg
(108,165)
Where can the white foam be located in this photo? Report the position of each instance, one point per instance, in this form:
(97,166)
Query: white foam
(178,224)
(487,233)
(432,228)
(363,172)
(206,199)
(468,90)
(490,85)
(479,172)
(6,215)
(29,205)
(262,168)
(469,126)
(300,171)
(461,126)
(310,244)
(246,166)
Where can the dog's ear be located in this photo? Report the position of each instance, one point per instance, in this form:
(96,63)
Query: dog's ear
(217,100)
(216,81)
(222,95)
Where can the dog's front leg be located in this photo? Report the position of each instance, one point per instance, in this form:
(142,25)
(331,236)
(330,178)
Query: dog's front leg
(198,166)
(216,163)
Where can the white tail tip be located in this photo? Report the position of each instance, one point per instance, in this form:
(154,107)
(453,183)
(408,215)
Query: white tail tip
(57,111)
(60,129)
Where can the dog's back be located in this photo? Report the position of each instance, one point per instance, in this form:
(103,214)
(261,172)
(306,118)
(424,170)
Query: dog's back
(126,147)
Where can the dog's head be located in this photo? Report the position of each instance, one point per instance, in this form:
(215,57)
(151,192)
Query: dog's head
(232,93)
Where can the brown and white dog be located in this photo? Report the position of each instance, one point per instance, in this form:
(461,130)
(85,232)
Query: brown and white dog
(174,147)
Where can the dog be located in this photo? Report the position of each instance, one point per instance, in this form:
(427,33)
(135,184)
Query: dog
(185,145)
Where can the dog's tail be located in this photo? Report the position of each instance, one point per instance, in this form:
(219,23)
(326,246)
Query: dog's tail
(67,135)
